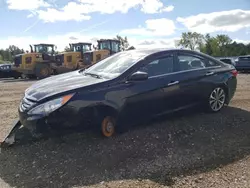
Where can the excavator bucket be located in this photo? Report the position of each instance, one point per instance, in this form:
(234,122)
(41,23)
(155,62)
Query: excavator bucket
(11,136)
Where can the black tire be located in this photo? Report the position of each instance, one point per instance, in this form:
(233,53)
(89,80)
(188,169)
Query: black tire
(42,71)
(216,99)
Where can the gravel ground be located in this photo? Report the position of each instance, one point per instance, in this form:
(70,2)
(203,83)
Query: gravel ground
(191,149)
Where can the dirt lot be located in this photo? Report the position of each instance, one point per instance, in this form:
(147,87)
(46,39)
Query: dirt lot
(191,149)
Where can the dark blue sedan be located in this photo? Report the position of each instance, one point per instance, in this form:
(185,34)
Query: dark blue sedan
(126,88)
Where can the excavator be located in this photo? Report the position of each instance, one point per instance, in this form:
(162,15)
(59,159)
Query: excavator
(35,64)
(69,61)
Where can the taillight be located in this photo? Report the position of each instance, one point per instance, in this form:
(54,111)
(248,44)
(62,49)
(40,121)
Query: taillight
(234,73)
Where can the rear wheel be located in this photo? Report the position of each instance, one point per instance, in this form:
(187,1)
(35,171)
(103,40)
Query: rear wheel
(216,99)
(43,71)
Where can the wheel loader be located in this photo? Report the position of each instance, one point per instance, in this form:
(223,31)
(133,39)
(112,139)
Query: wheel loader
(105,48)
(35,64)
(69,61)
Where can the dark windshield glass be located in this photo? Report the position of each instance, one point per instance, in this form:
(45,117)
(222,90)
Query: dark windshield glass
(115,65)
(43,49)
(105,45)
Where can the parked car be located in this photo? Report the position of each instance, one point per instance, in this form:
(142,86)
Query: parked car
(243,63)
(126,88)
(7,72)
(229,61)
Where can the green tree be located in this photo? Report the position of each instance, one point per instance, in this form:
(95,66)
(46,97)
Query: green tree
(124,44)
(67,49)
(191,40)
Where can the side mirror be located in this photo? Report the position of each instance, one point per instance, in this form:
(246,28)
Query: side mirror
(138,76)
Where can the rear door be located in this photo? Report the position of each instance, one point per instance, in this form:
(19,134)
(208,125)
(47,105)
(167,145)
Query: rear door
(193,71)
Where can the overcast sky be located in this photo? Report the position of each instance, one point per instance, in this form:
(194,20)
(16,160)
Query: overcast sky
(147,23)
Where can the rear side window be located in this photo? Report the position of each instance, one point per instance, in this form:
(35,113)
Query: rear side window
(190,62)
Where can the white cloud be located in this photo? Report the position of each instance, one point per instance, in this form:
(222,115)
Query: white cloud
(242,41)
(168,9)
(155,6)
(30,16)
(80,9)
(153,27)
(229,21)
(26,4)
(157,43)
(52,15)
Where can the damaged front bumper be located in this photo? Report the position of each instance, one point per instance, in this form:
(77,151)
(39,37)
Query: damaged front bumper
(11,136)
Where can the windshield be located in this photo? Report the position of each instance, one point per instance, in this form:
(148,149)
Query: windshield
(105,45)
(84,48)
(115,65)
(43,49)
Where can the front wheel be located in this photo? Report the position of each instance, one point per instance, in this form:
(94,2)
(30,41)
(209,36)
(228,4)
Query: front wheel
(108,126)
(43,71)
(216,99)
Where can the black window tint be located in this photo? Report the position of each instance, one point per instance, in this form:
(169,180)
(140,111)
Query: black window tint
(159,66)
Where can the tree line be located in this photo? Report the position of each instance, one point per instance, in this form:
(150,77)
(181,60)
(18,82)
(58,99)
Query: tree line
(217,46)
(8,53)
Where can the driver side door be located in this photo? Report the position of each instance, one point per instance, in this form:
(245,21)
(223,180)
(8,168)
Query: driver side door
(145,98)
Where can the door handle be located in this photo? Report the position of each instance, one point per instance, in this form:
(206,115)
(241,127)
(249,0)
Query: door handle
(209,73)
(173,83)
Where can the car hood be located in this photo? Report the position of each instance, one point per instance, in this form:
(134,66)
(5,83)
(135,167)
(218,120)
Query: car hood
(59,84)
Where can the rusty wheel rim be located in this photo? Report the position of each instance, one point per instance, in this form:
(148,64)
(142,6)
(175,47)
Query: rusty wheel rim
(108,126)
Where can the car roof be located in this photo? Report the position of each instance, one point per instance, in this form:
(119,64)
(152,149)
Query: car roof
(151,51)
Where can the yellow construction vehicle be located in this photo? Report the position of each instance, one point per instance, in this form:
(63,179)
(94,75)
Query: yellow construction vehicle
(105,48)
(35,64)
(69,61)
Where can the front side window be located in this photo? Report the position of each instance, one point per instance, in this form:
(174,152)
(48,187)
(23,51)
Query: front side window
(159,66)
(116,64)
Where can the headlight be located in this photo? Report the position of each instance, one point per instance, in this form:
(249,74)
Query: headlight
(50,106)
